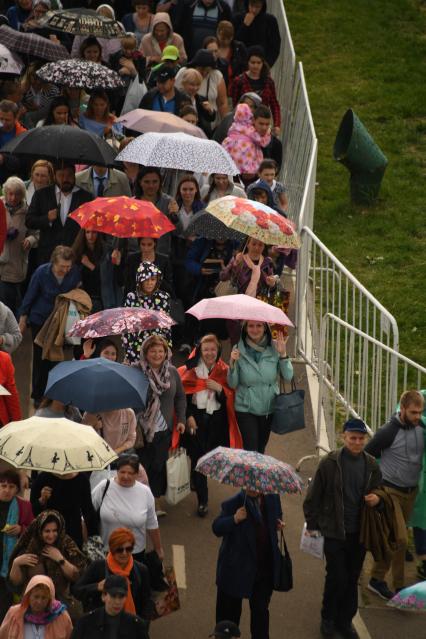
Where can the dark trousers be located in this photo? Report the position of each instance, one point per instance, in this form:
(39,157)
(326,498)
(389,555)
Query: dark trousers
(10,294)
(344,559)
(229,608)
(41,368)
(153,457)
(255,430)
(5,598)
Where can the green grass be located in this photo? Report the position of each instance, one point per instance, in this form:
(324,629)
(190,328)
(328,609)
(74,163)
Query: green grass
(370,55)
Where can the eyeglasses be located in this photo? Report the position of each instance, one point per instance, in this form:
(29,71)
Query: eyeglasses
(122,549)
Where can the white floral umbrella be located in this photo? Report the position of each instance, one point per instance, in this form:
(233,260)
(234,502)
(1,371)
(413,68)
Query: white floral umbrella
(179,151)
(80,74)
(54,445)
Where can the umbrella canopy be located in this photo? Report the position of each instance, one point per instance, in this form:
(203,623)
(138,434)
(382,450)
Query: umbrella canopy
(239,307)
(249,470)
(97,385)
(84,22)
(122,217)
(411,598)
(146,121)
(80,74)
(10,62)
(206,225)
(62,142)
(3,390)
(32,44)
(179,151)
(54,446)
(115,321)
(256,220)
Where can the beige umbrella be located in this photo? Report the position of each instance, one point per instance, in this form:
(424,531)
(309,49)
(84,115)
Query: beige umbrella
(54,445)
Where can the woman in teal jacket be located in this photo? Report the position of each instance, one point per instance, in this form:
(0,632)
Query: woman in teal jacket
(254,370)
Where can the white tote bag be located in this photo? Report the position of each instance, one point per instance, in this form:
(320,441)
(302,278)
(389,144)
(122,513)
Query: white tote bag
(72,317)
(178,486)
(312,545)
(134,95)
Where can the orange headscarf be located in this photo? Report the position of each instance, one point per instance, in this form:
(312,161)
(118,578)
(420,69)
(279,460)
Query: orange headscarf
(117,538)
(193,384)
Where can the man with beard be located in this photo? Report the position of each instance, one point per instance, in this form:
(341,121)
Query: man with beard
(399,444)
(50,208)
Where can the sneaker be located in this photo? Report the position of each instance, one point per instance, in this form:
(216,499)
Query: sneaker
(380,588)
(409,555)
(421,570)
(202,510)
(160,513)
(185,349)
(327,628)
(348,632)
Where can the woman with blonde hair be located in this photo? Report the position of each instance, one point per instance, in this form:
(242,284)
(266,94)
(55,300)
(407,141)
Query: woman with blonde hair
(39,614)
(42,174)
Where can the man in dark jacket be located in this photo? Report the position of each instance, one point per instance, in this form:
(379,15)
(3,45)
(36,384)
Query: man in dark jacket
(249,558)
(342,485)
(399,444)
(199,20)
(111,621)
(50,208)
(257,27)
(165,97)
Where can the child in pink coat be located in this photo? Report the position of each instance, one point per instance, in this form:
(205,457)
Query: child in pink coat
(243,143)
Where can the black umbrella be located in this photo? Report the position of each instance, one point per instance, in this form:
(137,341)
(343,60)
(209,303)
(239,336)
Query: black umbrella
(84,22)
(62,142)
(80,74)
(32,44)
(206,225)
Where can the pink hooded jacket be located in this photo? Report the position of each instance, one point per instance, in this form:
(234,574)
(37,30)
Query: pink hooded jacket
(13,624)
(243,143)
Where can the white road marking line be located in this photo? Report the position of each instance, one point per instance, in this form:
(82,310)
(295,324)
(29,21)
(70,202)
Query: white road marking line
(179,565)
(361,628)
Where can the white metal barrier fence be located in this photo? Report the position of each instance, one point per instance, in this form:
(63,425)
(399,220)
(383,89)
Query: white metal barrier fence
(324,285)
(360,376)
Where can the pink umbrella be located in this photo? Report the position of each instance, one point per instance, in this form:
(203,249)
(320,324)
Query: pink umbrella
(239,307)
(115,321)
(146,121)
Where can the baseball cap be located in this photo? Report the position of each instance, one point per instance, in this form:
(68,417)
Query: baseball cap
(225,629)
(165,73)
(355,426)
(116,585)
(170,53)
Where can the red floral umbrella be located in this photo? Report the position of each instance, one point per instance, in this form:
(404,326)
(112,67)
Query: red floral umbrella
(115,321)
(255,220)
(122,217)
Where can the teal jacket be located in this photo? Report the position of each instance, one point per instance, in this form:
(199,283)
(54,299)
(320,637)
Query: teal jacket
(257,383)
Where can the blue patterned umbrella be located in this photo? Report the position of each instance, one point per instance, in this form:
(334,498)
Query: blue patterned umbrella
(206,225)
(250,470)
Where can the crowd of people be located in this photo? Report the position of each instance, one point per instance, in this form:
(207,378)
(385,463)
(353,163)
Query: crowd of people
(209,63)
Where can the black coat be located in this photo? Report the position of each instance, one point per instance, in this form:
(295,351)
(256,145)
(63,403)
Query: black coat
(92,626)
(237,561)
(263,31)
(86,588)
(148,100)
(323,505)
(53,233)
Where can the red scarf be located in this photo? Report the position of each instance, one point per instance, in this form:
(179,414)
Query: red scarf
(129,604)
(193,384)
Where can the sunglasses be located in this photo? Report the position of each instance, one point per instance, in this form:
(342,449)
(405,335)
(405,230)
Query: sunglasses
(126,549)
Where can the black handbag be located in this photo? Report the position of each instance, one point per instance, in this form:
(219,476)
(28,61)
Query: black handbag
(285,579)
(289,411)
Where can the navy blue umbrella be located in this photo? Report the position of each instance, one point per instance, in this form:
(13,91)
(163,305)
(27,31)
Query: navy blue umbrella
(97,385)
